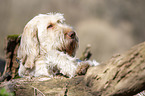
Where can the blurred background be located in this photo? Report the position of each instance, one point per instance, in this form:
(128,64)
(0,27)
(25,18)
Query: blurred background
(109,26)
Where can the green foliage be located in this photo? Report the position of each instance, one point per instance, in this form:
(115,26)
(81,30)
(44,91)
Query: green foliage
(3,92)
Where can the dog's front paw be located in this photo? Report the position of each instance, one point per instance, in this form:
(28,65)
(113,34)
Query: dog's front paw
(82,68)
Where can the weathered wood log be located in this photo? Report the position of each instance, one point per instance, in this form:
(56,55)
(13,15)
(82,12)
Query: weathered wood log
(122,75)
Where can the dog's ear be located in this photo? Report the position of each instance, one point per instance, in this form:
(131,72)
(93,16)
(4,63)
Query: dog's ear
(29,45)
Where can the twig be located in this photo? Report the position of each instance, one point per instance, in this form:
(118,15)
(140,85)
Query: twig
(35,91)
(86,55)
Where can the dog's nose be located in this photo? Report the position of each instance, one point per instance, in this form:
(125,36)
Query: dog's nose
(71,34)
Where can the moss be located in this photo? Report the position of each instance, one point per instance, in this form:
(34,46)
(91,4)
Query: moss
(15,36)
(3,92)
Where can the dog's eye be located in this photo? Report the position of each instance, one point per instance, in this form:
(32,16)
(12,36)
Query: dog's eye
(50,26)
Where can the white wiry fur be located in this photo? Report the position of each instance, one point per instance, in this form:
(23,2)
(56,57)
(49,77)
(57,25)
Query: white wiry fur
(46,47)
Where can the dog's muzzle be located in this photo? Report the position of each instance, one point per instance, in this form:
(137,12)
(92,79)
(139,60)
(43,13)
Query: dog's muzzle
(71,35)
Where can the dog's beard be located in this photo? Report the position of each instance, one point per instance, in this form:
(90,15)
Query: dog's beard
(69,47)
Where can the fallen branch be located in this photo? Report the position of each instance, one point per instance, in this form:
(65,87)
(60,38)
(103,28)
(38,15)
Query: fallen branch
(122,75)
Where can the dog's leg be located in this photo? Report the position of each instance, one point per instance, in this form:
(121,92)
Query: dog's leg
(66,64)
(21,70)
(41,68)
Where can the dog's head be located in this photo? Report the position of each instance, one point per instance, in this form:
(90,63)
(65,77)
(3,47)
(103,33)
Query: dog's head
(51,33)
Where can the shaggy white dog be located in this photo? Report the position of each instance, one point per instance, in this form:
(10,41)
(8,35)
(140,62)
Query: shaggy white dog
(48,47)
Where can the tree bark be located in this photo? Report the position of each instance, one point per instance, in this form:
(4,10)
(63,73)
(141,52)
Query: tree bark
(11,67)
(122,75)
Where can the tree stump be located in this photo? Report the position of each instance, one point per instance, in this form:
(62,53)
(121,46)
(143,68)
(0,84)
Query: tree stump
(11,67)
